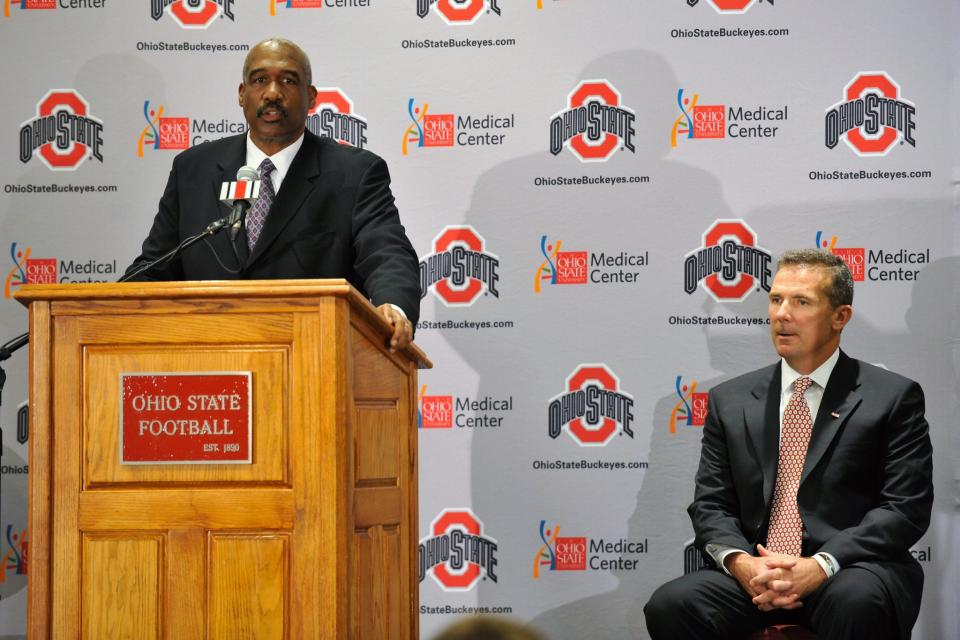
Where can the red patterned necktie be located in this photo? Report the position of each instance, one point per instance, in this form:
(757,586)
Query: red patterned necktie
(785,534)
(258,214)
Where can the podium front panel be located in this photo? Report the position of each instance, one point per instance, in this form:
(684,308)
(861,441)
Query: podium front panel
(315,537)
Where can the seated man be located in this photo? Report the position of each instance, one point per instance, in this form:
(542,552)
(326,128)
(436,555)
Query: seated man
(814,481)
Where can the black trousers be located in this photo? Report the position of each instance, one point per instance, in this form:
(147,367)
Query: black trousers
(709,604)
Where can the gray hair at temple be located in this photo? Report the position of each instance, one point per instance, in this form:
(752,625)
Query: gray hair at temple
(840,289)
(282,42)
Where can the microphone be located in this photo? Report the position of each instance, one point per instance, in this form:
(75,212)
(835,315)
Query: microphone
(240,195)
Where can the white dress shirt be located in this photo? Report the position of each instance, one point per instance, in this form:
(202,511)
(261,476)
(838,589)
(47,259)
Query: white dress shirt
(281,160)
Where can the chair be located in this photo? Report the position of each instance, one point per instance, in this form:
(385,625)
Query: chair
(782,632)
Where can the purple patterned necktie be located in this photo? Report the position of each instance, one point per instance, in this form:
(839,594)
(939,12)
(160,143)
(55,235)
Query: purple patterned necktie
(258,214)
(785,534)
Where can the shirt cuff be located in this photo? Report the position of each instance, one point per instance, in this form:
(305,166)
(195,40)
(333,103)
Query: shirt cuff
(719,553)
(399,310)
(827,562)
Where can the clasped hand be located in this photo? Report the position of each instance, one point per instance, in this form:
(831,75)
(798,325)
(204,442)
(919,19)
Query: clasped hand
(776,581)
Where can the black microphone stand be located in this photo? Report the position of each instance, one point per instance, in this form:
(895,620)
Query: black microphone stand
(10,347)
(211,230)
(6,351)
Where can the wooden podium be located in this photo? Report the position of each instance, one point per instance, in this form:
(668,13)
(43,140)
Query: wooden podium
(314,537)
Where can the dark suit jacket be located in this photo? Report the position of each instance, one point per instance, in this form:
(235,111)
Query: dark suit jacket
(334,217)
(865,493)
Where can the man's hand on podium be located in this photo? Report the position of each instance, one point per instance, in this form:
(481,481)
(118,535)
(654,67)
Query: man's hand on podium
(402,328)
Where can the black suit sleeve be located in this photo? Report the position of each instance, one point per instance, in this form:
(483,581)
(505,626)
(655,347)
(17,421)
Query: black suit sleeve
(384,258)
(715,505)
(902,513)
(164,236)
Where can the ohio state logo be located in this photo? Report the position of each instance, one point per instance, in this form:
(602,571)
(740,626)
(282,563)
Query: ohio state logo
(460,269)
(592,407)
(729,263)
(457,12)
(731,6)
(457,553)
(872,117)
(63,133)
(332,116)
(192,14)
(594,124)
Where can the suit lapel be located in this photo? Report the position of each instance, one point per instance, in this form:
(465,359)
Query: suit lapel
(296,186)
(762,416)
(229,165)
(840,400)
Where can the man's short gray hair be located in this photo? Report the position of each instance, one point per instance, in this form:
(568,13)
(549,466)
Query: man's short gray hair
(840,289)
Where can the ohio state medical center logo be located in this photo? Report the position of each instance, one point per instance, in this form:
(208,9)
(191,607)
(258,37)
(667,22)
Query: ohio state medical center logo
(594,124)
(559,554)
(63,133)
(169,133)
(582,553)
(853,256)
(192,14)
(872,117)
(691,409)
(28,4)
(458,12)
(729,263)
(876,264)
(592,407)
(27,270)
(50,5)
(295,4)
(457,553)
(460,269)
(436,412)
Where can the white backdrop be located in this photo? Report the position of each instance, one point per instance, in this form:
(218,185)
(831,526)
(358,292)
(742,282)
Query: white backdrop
(577,220)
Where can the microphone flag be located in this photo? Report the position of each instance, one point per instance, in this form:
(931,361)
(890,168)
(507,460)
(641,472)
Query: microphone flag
(241,190)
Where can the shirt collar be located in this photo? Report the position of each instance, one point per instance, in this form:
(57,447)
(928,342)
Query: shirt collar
(281,159)
(820,375)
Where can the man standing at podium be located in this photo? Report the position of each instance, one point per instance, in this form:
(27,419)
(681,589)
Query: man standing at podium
(325,210)
(814,481)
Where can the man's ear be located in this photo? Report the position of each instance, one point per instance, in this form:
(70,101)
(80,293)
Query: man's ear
(841,316)
(312,95)
(240,94)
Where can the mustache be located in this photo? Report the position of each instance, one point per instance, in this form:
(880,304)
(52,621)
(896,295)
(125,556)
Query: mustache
(272,105)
